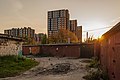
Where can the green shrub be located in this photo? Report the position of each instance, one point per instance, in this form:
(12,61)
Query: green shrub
(94,63)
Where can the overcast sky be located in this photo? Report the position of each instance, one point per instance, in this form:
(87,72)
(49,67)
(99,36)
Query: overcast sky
(91,14)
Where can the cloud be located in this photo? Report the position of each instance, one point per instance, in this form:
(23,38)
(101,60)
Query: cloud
(16,5)
(11,11)
(10,6)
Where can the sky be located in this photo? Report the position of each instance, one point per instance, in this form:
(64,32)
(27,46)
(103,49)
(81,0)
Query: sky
(91,14)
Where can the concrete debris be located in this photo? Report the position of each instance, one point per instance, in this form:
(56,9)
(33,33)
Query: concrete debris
(61,68)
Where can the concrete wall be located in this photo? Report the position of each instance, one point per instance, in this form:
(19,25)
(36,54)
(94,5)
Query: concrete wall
(110,56)
(10,47)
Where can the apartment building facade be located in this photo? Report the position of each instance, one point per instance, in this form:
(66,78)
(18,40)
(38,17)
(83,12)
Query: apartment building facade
(79,33)
(73,26)
(21,32)
(58,19)
(39,37)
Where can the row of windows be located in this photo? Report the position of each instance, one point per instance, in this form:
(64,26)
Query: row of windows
(55,14)
(58,19)
(51,26)
(57,22)
(54,26)
(52,23)
(52,32)
(73,28)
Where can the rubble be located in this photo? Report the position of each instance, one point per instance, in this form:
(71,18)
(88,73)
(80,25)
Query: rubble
(61,68)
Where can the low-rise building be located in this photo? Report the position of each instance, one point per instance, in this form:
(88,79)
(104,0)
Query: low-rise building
(110,52)
(79,33)
(10,45)
(73,26)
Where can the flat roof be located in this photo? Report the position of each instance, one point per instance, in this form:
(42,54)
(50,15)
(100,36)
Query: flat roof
(61,44)
(5,36)
(57,10)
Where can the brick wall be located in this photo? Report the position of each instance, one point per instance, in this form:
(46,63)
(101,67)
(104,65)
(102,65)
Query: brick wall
(35,50)
(26,50)
(61,50)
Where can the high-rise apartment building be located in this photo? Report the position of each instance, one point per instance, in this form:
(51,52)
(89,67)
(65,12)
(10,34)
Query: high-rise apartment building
(21,32)
(58,19)
(79,33)
(73,26)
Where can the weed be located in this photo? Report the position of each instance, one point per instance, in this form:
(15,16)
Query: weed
(94,63)
(93,75)
(14,65)
(94,71)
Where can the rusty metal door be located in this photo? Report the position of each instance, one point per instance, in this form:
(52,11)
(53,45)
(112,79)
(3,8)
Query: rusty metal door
(86,50)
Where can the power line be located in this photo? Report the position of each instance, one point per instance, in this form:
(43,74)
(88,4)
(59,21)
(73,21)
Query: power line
(97,29)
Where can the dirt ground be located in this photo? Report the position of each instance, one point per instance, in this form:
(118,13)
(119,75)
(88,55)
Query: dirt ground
(51,68)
